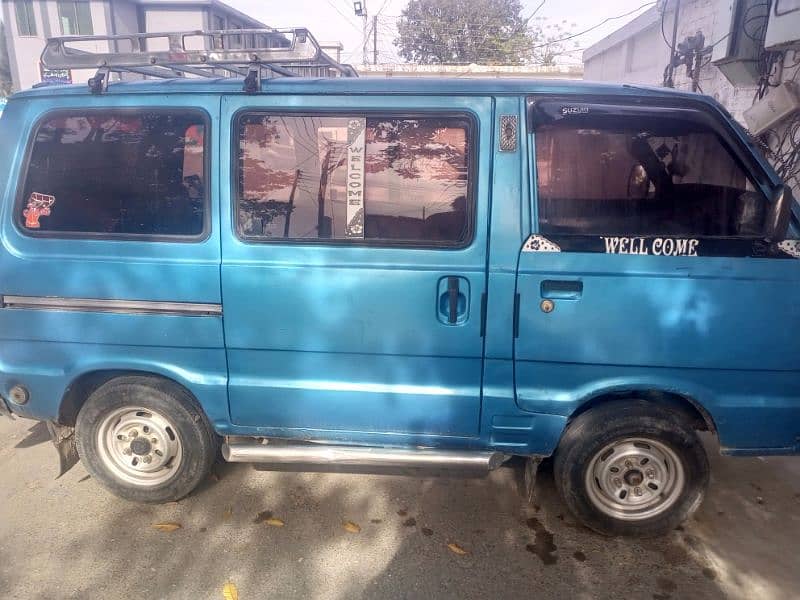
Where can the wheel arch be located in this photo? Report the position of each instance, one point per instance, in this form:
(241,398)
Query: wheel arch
(685,404)
(85,384)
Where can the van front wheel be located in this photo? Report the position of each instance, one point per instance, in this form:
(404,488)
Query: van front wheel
(631,468)
(145,439)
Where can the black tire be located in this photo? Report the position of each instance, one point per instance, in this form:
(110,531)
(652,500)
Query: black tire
(198,441)
(594,430)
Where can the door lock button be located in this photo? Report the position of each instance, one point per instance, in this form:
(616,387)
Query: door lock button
(547,306)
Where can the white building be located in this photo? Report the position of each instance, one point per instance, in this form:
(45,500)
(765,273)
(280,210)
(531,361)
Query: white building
(749,48)
(30,22)
(413,70)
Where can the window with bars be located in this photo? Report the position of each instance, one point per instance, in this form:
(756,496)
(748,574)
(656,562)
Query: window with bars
(75,17)
(26,20)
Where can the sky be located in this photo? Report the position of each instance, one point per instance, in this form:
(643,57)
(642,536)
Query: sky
(334,20)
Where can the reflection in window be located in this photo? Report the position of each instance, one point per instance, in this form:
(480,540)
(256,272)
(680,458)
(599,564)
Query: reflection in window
(312,177)
(642,177)
(117,173)
(218,24)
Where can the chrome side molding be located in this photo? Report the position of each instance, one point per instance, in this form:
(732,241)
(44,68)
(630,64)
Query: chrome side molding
(114,306)
(318,454)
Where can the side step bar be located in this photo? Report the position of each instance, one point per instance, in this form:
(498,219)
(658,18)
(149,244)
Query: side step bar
(313,454)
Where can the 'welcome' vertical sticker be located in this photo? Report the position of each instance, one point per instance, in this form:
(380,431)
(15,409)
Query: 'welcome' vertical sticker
(355,177)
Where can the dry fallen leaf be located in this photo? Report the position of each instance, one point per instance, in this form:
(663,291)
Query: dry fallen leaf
(456,549)
(227,514)
(274,522)
(167,526)
(229,591)
(352,527)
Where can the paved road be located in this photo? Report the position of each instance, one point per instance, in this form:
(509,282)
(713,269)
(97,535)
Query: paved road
(71,539)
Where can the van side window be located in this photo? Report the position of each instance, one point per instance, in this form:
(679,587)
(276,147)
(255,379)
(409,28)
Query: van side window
(354,178)
(117,173)
(642,176)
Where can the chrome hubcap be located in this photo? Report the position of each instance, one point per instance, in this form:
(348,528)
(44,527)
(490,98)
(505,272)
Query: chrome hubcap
(635,478)
(139,446)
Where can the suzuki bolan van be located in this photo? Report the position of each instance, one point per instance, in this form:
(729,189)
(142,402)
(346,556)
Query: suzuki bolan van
(391,272)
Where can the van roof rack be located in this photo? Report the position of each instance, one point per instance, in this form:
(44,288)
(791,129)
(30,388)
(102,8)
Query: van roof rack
(244,53)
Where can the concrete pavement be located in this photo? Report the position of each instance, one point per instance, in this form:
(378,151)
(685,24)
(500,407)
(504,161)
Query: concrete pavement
(69,538)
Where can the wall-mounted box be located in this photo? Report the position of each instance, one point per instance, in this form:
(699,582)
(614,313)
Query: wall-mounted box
(781,102)
(783,29)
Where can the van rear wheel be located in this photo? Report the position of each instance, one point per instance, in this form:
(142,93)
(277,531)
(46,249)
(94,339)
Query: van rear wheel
(145,439)
(631,468)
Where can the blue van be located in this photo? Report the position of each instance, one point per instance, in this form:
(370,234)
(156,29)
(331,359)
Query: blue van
(394,272)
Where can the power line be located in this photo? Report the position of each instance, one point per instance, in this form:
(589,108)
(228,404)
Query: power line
(535,10)
(600,24)
(386,21)
(485,26)
(344,16)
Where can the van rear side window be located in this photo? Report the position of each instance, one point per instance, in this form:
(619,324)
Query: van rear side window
(117,173)
(350,178)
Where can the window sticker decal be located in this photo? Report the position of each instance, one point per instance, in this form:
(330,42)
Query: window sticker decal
(38,206)
(660,246)
(356,129)
(538,243)
(790,247)
(664,246)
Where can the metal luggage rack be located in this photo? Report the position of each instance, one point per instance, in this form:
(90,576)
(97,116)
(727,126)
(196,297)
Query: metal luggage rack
(247,53)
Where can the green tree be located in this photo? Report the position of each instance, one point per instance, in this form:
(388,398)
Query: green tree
(552,41)
(487,32)
(5,67)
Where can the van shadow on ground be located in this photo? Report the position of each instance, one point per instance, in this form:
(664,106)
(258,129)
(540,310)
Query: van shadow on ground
(70,538)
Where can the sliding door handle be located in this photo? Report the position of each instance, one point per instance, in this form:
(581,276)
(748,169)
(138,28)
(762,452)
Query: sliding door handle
(452,300)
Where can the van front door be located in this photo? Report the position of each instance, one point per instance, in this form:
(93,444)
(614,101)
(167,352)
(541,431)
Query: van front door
(649,269)
(354,264)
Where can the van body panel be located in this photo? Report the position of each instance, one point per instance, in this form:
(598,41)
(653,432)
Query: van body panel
(510,220)
(337,336)
(662,311)
(506,425)
(748,409)
(47,349)
(49,369)
(717,329)
(345,343)
(355,392)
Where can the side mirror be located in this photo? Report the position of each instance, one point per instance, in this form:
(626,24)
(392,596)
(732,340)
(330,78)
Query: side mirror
(778,216)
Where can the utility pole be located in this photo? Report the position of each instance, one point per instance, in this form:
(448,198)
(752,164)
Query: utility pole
(375,40)
(322,230)
(668,76)
(290,206)
(360,8)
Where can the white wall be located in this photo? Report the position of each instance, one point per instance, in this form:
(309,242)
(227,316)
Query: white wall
(179,19)
(126,17)
(24,52)
(639,54)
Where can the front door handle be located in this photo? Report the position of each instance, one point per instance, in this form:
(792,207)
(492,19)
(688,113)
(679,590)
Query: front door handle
(561,289)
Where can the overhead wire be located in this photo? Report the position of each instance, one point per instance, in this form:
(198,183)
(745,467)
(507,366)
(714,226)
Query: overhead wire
(460,31)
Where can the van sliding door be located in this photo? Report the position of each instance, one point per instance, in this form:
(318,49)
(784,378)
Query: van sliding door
(353,275)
